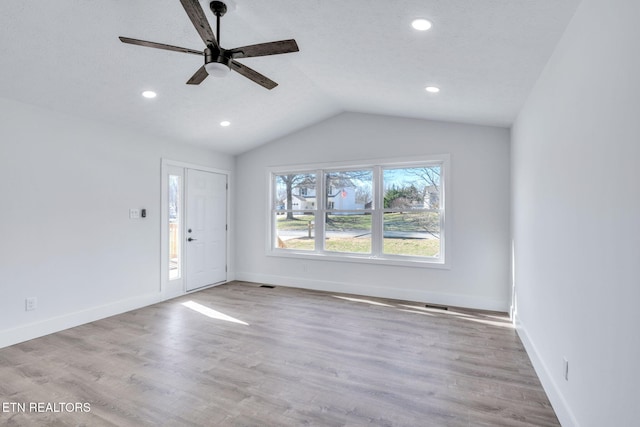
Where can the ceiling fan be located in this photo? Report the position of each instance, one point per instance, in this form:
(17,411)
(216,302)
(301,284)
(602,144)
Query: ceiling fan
(217,60)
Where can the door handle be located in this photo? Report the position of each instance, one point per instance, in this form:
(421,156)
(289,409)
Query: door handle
(191,239)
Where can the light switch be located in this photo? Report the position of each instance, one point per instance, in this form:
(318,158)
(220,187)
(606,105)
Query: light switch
(134,213)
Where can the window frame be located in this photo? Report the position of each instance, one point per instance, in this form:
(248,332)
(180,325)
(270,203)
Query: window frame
(377,210)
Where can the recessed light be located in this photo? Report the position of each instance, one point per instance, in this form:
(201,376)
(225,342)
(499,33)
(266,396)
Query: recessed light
(421,24)
(432,89)
(149,94)
(225,123)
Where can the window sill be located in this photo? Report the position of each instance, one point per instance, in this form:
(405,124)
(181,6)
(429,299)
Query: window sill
(363,259)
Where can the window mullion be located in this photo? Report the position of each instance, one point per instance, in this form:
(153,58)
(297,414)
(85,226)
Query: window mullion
(320,213)
(377,212)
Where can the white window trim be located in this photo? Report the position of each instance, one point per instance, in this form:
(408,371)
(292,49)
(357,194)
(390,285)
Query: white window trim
(443,262)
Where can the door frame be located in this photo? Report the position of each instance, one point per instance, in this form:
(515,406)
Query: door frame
(177,287)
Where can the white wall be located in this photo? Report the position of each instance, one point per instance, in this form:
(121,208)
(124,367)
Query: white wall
(66,186)
(479,276)
(576,218)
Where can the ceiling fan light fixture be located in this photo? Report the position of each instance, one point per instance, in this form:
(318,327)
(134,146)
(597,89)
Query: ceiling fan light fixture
(149,94)
(421,24)
(217,69)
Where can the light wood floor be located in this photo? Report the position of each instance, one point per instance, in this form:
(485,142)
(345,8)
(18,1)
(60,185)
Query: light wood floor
(301,358)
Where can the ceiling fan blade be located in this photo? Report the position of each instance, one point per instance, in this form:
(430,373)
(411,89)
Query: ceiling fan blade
(253,75)
(160,46)
(199,21)
(264,49)
(198,77)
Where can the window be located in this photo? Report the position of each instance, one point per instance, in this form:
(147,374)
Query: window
(347,223)
(175,220)
(293,210)
(411,217)
(385,213)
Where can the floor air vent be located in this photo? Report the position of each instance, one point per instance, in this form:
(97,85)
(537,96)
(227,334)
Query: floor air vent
(267,286)
(437,307)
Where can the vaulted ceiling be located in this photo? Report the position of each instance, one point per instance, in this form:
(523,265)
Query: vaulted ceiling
(355,55)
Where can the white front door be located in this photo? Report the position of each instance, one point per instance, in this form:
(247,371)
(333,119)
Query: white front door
(206,229)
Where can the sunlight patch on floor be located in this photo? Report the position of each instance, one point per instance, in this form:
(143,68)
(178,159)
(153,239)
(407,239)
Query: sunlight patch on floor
(507,325)
(421,308)
(366,301)
(417,312)
(491,320)
(209,312)
(435,310)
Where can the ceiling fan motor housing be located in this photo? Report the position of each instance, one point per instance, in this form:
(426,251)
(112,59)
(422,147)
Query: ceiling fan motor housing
(211,54)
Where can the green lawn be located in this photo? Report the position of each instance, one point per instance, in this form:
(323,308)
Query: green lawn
(301,222)
(361,224)
(301,243)
(416,247)
(405,221)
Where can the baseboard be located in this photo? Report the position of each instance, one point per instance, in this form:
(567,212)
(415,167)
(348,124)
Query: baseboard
(563,411)
(55,324)
(378,291)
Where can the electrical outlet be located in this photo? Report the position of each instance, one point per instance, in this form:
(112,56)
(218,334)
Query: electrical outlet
(565,369)
(30,303)
(134,213)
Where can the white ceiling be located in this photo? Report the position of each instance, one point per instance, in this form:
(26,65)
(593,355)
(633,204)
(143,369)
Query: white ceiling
(355,55)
